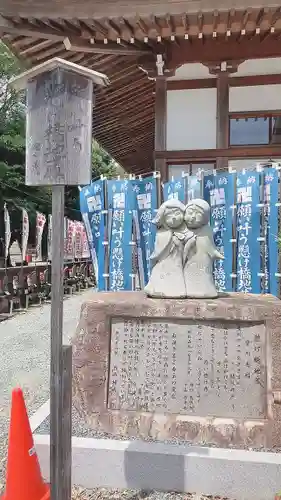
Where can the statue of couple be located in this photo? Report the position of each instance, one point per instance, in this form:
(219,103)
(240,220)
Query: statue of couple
(184,252)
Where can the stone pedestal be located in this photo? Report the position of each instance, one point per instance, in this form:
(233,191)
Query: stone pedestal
(200,371)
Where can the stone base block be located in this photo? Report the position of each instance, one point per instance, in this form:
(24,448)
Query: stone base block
(199,371)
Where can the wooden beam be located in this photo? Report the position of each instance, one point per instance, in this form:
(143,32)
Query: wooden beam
(139,143)
(143,153)
(129,135)
(138,153)
(76,45)
(121,107)
(222,120)
(133,117)
(129,113)
(139,157)
(137,164)
(135,150)
(217,50)
(115,70)
(66,419)
(116,131)
(198,83)
(127,87)
(234,81)
(104,115)
(31,50)
(160,124)
(238,152)
(101,61)
(254,114)
(72,43)
(25,29)
(43,55)
(22,42)
(124,74)
(69,9)
(135,93)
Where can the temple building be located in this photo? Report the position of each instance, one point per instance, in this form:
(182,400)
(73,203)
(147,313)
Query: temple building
(194,84)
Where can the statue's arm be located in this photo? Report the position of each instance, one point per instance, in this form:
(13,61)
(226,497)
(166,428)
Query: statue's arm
(154,259)
(211,247)
(190,244)
(161,242)
(215,254)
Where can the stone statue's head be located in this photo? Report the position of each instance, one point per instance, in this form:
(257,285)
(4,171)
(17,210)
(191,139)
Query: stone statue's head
(197,213)
(170,214)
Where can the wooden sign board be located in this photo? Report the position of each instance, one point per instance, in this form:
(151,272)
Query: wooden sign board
(59,129)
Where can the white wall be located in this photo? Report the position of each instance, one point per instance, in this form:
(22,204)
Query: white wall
(191,71)
(191,116)
(256,98)
(191,119)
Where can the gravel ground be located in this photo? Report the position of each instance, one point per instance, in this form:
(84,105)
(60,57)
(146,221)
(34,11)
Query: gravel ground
(102,494)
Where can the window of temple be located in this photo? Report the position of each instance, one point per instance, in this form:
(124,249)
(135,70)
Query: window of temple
(256,128)
(176,171)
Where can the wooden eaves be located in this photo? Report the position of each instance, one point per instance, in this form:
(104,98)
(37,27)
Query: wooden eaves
(124,46)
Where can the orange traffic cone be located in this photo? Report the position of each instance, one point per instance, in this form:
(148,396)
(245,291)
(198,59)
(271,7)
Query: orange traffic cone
(23,479)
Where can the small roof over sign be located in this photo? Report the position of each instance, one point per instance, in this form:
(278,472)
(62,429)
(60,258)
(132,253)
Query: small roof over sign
(20,82)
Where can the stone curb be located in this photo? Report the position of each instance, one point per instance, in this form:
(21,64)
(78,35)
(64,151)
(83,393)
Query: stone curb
(239,474)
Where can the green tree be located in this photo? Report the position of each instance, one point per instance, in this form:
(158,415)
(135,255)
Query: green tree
(102,164)
(12,143)
(13,191)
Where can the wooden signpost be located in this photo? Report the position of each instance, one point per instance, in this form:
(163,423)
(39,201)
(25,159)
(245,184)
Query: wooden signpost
(58,153)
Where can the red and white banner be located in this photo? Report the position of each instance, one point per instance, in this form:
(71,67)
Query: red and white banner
(65,237)
(78,240)
(24,233)
(73,239)
(71,228)
(40,223)
(85,246)
(49,237)
(7,222)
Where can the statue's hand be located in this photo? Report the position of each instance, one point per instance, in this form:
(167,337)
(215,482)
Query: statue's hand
(218,255)
(176,241)
(189,235)
(153,258)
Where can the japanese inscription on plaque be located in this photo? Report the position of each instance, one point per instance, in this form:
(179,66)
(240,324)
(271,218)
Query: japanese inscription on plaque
(59,125)
(188,368)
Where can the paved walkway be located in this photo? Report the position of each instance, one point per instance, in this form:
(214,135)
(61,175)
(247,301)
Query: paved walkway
(25,354)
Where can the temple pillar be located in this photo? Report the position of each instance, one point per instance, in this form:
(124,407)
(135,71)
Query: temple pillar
(222,121)
(160,124)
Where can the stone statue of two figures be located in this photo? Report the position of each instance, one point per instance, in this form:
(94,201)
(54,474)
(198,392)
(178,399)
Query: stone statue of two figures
(184,252)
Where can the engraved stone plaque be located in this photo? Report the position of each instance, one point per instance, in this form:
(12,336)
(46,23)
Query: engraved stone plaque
(189,368)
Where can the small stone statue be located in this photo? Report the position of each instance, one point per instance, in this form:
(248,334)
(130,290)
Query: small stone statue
(182,261)
(167,278)
(198,259)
